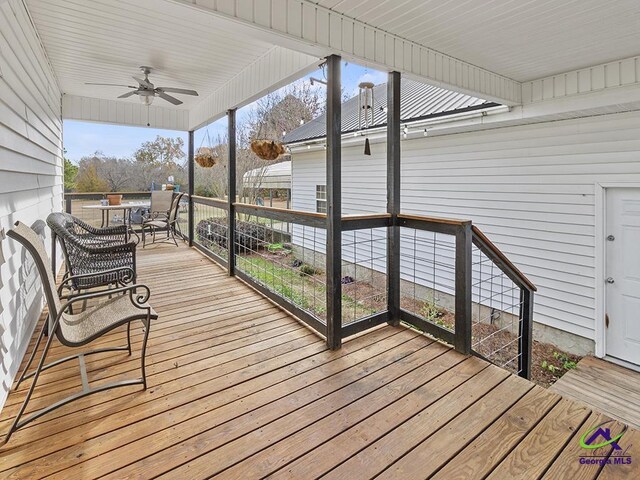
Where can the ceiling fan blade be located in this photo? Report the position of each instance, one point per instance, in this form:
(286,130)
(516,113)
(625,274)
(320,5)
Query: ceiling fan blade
(169,98)
(110,85)
(128,94)
(183,91)
(144,83)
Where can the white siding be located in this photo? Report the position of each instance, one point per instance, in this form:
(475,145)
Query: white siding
(531,189)
(30,173)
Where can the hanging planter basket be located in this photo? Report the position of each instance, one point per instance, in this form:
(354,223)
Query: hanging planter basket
(205,157)
(267,149)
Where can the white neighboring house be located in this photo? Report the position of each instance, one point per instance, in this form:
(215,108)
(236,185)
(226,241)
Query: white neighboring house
(556,188)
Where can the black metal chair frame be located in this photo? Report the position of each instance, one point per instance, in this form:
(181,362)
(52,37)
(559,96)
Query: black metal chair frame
(138,295)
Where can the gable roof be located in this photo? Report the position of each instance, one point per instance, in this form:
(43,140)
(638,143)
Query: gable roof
(417,101)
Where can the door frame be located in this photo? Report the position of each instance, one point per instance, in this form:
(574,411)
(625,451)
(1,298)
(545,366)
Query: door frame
(600,261)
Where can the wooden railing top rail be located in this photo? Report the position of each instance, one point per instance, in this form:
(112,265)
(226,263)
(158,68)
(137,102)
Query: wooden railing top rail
(493,252)
(368,216)
(259,208)
(214,202)
(445,221)
(101,194)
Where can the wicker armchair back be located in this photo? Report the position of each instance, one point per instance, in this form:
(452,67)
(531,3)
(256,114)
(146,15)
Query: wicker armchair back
(91,250)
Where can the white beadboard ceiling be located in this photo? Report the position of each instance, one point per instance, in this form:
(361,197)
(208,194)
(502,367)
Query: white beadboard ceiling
(521,39)
(107,40)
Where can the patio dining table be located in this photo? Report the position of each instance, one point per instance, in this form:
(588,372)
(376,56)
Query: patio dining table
(126,208)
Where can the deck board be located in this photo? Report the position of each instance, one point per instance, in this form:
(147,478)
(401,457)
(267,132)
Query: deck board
(609,388)
(240,389)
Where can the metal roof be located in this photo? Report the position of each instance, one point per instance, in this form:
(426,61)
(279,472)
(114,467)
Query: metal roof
(417,101)
(277,175)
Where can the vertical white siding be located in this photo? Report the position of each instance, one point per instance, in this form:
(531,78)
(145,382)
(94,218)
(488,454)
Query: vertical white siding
(30,172)
(530,188)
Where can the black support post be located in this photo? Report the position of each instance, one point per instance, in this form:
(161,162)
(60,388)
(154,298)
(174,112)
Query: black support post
(526,332)
(191,173)
(462,340)
(393,197)
(231,191)
(334,204)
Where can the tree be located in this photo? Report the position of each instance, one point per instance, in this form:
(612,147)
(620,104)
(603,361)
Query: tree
(284,110)
(273,115)
(88,178)
(70,174)
(163,151)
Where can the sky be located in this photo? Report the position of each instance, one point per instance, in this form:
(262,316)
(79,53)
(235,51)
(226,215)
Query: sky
(85,138)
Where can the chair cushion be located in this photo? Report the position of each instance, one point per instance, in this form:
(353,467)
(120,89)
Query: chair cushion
(78,328)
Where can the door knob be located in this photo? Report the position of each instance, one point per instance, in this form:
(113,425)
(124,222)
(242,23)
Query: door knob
(611,238)
(610,280)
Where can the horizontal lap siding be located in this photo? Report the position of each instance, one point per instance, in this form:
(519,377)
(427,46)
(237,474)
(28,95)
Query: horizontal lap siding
(531,189)
(31,173)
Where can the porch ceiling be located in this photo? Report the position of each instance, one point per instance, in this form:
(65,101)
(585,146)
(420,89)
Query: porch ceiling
(520,40)
(107,40)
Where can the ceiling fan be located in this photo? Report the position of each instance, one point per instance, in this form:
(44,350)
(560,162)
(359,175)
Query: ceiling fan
(147,91)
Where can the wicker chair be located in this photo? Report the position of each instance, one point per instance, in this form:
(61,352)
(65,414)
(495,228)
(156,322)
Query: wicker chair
(89,252)
(168,224)
(121,306)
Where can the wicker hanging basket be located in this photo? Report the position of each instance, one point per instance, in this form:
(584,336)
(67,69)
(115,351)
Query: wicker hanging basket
(267,149)
(205,157)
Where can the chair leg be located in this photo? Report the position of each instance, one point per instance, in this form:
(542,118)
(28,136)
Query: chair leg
(16,422)
(129,337)
(173,234)
(147,325)
(33,353)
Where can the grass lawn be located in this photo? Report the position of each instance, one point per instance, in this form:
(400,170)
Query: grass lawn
(305,290)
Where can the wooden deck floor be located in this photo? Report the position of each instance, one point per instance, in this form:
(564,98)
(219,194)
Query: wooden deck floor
(238,389)
(607,387)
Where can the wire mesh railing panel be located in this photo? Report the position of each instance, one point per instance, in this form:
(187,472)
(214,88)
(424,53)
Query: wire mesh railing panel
(427,276)
(497,313)
(363,277)
(211,227)
(286,258)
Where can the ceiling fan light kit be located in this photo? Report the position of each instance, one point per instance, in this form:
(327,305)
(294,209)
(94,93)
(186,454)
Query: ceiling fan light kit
(147,91)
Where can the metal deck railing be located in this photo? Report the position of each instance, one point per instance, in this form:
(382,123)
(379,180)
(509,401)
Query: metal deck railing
(441,276)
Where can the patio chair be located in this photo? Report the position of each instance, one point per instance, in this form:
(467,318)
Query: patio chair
(92,255)
(169,224)
(161,203)
(121,306)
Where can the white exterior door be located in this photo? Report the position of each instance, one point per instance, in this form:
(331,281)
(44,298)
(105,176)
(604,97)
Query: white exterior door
(623,274)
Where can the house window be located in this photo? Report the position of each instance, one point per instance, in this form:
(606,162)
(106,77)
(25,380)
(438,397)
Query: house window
(321,198)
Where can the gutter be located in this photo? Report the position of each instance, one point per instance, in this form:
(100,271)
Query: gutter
(411,129)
